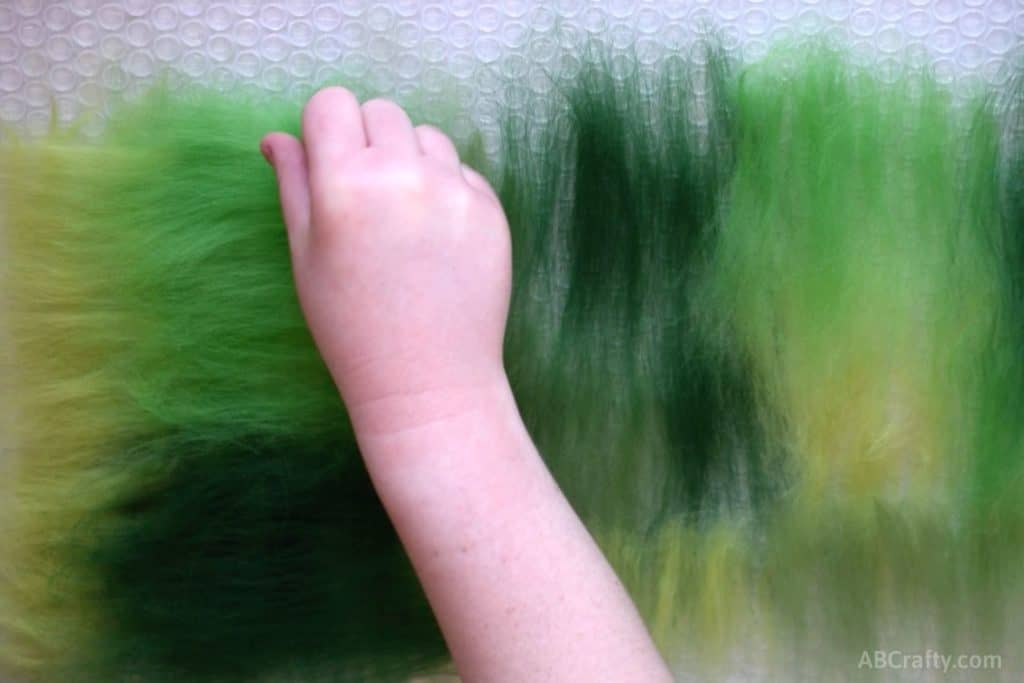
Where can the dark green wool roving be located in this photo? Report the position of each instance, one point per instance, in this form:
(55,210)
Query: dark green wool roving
(614,207)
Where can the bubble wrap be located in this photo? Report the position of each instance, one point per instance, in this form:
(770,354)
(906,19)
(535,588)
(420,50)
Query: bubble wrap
(68,54)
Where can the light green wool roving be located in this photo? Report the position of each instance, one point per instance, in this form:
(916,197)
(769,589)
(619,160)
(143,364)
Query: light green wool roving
(858,266)
(187,502)
(854,270)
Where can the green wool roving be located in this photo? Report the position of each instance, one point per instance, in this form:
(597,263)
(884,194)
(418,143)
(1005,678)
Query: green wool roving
(615,213)
(191,496)
(766,329)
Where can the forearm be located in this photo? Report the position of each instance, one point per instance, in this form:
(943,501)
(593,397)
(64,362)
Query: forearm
(402,262)
(520,589)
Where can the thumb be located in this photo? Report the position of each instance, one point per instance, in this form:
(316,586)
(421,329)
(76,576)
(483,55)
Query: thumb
(288,158)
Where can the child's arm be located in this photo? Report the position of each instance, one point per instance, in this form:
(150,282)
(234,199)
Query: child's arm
(402,259)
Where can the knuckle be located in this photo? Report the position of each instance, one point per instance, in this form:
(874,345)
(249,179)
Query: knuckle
(376,180)
(457,198)
(380,104)
(408,183)
(431,132)
(434,138)
(331,202)
(323,101)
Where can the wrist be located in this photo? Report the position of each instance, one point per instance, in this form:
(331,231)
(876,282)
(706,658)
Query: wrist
(425,448)
(429,403)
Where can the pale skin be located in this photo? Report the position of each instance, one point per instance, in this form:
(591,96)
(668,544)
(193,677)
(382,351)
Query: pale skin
(402,262)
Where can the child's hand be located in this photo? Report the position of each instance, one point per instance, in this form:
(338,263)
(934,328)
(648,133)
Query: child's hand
(402,261)
(401,255)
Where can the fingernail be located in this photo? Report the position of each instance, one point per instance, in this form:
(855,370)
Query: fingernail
(266,152)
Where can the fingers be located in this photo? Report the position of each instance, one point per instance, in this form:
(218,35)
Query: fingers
(332,130)
(478,182)
(436,144)
(288,158)
(388,127)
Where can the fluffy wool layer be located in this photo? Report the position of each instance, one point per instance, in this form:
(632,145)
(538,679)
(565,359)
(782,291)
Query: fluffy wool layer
(766,329)
(186,499)
(613,192)
(865,266)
